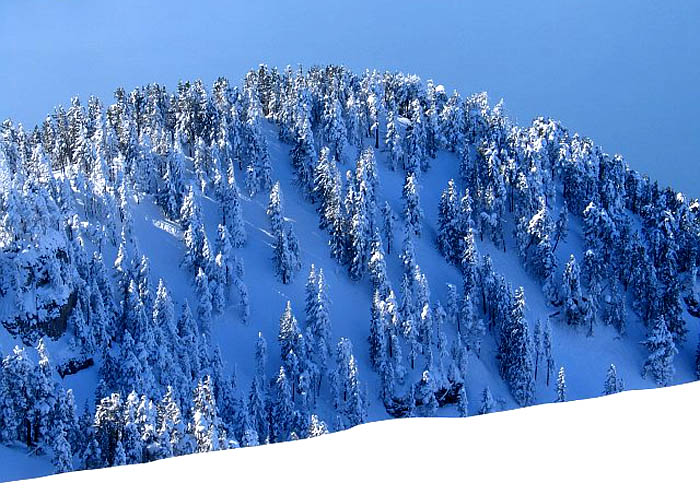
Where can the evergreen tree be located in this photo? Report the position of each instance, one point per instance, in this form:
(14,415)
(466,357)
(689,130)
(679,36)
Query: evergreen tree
(561,228)
(547,350)
(575,308)
(412,211)
(274,209)
(448,227)
(415,160)
(317,427)
(515,353)
(393,141)
(613,384)
(204,307)
(424,394)
(662,351)
(462,402)
(388,227)
(282,409)
(349,400)
(232,216)
(487,403)
(561,386)
(206,427)
(303,155)
(321,327)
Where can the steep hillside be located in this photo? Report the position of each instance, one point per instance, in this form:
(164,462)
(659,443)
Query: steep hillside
(207,269)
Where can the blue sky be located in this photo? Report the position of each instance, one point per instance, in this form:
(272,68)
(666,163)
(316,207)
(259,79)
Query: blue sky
(626,73)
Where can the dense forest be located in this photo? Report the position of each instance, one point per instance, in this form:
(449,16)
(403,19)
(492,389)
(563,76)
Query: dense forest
(608,249)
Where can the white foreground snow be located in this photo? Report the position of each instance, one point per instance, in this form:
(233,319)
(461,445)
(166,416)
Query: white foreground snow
(630,442)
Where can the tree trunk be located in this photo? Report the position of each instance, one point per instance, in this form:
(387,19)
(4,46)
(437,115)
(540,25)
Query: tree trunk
(28,424)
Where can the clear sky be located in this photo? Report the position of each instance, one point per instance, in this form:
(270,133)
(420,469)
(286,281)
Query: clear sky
(624,72)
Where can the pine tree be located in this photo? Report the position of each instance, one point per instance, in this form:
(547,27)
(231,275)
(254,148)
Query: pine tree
(547,350)
(119,455)
(515,353)
(393,141)
(232,216)
(188,332)
(282,410)
(293,350)
(274,209)
(388,227)
(349,400)
(561,228)
(613,384)
(303,155)
(334,129)
(424,394)
(321,327)
(171,431)
(448,226)
(452,304)
(537,346)
(377,333)
(575,308)
(415,159)
(615,313)
(317,427)
(62,458)
(561,386)
(207,428)
(249,437)
(204,307)
(487,403)
(462,402)
(412,211)
(131,439)
(662,351)
(377,266)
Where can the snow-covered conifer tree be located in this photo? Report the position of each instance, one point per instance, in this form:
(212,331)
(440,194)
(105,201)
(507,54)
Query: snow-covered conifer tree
(561,386)
(487,402)
(204,306)
(613,384)
(412,211)
(662,351)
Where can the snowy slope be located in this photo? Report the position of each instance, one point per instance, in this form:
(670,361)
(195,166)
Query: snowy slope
(586,359)
(592,446)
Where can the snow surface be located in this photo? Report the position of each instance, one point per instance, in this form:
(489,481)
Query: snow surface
(630,442)
(623,72)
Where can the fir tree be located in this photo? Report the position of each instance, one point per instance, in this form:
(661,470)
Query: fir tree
(204,307)
(613,384)
(424,394)
(207,428)
(448,233)
(462,402)
(662,351)
(561,386)
(282,409)
(412,211)
(487,403)
(388,227)
(349,400)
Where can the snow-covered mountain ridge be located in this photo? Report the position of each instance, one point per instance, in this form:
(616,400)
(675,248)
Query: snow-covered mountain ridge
(224,267)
